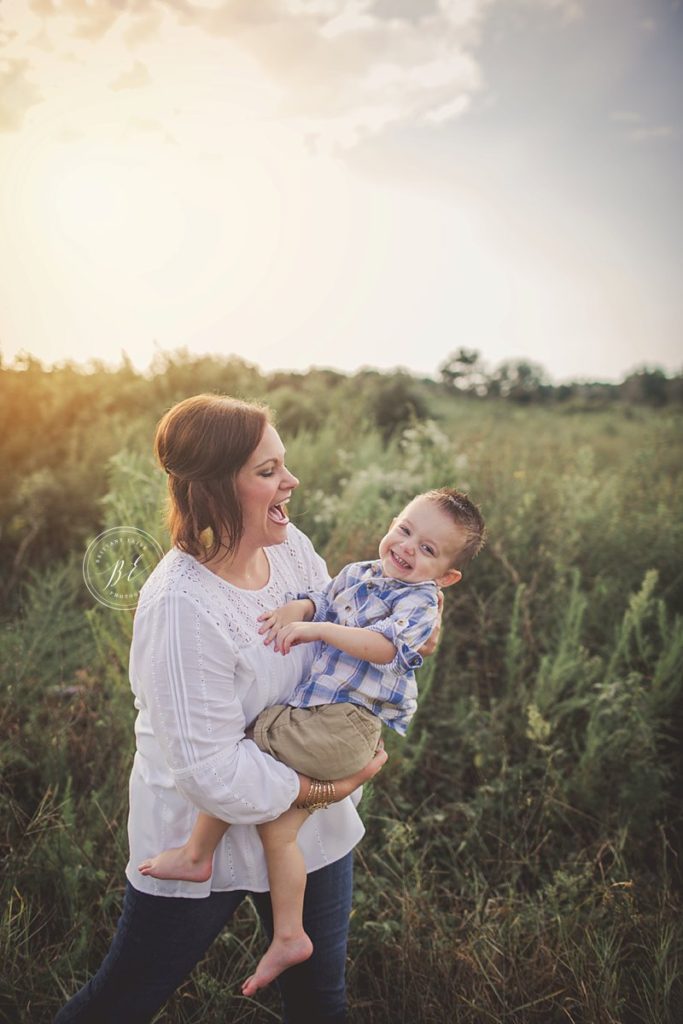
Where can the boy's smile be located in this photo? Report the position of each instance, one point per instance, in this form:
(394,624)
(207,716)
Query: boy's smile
(422,544)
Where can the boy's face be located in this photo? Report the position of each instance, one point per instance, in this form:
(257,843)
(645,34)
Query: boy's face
(422,544)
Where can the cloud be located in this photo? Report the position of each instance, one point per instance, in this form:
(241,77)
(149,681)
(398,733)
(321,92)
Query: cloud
(339,71)
(626,116)
(637,130)
(90,20)
(17,93)
(143,28)
(570,10)
(135,78)
(347,71)
(656,131)
(67,135)
(149,126)
(449,110)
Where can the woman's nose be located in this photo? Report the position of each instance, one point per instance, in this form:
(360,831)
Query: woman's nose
(290,480)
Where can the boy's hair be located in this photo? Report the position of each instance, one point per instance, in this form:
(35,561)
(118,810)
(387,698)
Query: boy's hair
(467,515)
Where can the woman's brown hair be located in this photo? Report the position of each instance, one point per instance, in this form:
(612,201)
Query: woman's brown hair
(202,443)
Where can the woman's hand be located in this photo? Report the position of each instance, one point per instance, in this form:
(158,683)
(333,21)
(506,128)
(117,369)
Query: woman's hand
(430,645)
(344,787)
(293,611)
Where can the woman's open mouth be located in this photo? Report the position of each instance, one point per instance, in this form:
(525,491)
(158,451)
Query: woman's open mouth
(277,513)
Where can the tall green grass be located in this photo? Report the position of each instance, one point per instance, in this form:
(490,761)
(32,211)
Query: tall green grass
(522,856)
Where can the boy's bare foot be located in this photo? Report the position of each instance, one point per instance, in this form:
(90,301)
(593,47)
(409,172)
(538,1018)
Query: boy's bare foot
(178,864)
(281,954)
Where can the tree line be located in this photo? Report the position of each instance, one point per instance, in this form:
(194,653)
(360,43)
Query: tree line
(520,380)
(60,426)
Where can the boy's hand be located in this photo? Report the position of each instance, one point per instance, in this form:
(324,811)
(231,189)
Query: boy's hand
(293,611)
(296,633)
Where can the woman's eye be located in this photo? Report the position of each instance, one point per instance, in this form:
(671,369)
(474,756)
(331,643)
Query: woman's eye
(267,472)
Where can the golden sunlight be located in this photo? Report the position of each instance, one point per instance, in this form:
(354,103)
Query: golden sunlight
(157,244)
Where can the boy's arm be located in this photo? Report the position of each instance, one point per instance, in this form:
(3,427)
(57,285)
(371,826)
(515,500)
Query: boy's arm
(303,609)
(364,644)
(408,627)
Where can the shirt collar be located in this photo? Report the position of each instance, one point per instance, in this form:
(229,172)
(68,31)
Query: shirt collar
(376,573)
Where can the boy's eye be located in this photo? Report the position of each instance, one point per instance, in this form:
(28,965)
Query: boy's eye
(426,548)
(404,529)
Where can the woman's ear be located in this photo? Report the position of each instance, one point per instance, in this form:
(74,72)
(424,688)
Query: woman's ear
(449,578)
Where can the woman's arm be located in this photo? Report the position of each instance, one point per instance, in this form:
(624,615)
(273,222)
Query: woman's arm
(344,787)
(432,642)
(183,669)
(185,678)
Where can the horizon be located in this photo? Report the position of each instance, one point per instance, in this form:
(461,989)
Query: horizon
(95,364)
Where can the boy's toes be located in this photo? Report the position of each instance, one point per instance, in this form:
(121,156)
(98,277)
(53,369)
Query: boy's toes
(248,988)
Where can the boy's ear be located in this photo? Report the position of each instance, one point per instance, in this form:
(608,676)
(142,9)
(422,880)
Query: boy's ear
(449,578)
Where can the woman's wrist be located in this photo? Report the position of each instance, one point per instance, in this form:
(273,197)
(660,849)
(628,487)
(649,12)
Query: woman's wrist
(304,789)
(315,793)
(320,794)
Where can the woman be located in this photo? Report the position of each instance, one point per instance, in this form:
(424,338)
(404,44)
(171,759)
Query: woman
(201,673)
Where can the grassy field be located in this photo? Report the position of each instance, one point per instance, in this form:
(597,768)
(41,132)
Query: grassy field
(521,862)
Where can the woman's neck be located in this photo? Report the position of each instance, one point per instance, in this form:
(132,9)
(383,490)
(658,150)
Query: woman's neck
(247,568)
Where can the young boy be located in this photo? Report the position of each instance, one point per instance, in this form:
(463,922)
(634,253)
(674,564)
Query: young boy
(371,620)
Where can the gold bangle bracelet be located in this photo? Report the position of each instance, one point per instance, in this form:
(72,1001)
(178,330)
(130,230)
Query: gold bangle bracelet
(319,797)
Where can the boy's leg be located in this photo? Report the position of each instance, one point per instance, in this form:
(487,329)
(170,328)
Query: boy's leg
(158,941)
(315,990)
(329,741)
(287,879)
(193,861)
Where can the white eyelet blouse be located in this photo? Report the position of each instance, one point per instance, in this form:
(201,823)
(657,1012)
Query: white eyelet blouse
(201,674)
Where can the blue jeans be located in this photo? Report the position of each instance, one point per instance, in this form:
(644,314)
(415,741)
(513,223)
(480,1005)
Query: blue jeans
(159,939)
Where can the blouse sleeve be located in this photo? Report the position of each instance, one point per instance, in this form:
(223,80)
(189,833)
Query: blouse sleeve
(185,676)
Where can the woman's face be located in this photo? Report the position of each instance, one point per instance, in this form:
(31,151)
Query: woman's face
(264,485)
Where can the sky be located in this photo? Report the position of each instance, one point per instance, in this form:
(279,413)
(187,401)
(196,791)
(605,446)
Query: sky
(343,182)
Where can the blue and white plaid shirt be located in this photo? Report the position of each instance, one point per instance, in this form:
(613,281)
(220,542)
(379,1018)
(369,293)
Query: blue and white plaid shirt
(405,613)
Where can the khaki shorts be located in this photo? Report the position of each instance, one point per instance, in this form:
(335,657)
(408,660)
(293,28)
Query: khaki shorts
(330,741)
